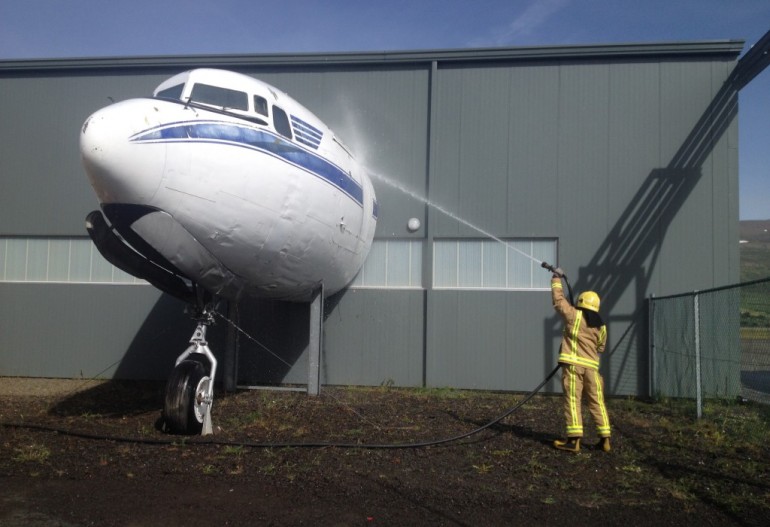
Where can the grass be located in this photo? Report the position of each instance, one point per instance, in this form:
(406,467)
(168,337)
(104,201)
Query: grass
(660,451)
(755,261)
(755,265)
(719,459)
(755,333)
(33,452)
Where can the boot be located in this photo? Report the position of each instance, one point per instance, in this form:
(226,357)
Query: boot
(571,444)
(603,444)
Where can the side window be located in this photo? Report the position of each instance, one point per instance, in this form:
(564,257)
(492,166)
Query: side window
(281,122)
(260,105)
(222,97)
(503,264)
(174,92)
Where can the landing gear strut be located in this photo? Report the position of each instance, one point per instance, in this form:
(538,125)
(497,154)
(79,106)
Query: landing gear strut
(189,390)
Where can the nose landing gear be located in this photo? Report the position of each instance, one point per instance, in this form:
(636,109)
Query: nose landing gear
(190,390)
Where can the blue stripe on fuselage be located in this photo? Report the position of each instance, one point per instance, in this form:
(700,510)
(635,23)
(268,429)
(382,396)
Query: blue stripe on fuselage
(244,136)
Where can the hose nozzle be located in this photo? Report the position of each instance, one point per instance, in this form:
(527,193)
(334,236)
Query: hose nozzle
(554,270)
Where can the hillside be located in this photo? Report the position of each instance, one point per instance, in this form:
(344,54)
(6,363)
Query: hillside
(755,249)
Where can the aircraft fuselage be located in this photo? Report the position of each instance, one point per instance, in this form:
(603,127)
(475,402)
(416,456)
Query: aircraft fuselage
(229,183)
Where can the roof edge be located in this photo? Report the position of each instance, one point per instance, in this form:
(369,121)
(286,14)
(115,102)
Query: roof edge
(729,49)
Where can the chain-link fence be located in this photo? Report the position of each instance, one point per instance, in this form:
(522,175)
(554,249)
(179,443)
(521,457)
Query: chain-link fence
(712,344)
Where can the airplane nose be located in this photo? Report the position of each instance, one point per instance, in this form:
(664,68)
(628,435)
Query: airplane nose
(121,171)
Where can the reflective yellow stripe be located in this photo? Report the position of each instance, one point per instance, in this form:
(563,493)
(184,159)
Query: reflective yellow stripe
(604,429)
(574,431)
(573,403)
(602,335)
(556,285)
(579,361)
(575,330)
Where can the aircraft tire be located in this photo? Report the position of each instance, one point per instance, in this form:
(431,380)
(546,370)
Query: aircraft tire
(182,412)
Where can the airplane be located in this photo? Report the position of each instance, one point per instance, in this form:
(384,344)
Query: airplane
(219,186)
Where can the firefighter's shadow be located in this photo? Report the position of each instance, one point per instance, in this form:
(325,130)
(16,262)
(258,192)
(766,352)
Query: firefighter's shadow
(525,433)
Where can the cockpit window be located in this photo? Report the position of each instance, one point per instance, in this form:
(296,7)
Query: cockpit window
(281,122)
(260,105)
(220,97)
(174,92)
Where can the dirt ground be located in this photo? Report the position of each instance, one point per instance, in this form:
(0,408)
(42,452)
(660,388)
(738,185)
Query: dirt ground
(90,453)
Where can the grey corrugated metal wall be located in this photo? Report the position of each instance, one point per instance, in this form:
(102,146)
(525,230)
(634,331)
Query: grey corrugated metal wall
(570,151)
(601,148)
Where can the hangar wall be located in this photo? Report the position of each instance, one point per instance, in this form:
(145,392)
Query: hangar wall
(620,159)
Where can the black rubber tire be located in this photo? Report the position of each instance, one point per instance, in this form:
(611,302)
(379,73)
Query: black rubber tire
(179,406)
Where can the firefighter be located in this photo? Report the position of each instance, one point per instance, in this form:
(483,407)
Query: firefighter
(585,336)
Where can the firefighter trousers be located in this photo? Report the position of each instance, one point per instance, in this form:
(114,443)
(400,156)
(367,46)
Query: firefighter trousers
(578,381)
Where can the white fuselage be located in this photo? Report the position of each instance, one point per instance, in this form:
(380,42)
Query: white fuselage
(245,198)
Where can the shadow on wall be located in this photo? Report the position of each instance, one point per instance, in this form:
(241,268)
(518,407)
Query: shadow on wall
(163,336)
(276,335)
(628,255)
(273,337)
(281,335)
(272,349)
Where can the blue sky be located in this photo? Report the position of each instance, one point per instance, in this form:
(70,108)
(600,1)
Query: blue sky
(31,29)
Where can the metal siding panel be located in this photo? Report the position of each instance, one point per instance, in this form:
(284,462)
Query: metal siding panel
(45,190)
(725,224)
(634,140)
(533,341)
(687,229)
(582,153)
(374,337)
(481,359)
(484,150)
(490,340)
(74,331)
(470,179)
(446,158)
(633,158)
(442,339)
(532,150)
(272,347)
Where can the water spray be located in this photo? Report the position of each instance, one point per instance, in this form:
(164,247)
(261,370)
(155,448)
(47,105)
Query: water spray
(398,186)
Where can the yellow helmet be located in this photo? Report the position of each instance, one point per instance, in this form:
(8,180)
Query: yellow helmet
(589,300)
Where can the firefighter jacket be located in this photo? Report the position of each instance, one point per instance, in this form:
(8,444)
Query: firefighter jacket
(580,344)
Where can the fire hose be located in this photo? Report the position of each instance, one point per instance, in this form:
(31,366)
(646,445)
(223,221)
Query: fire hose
(209,440)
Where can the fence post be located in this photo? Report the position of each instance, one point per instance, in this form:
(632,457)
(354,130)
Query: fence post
(698,394)
(651,345)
